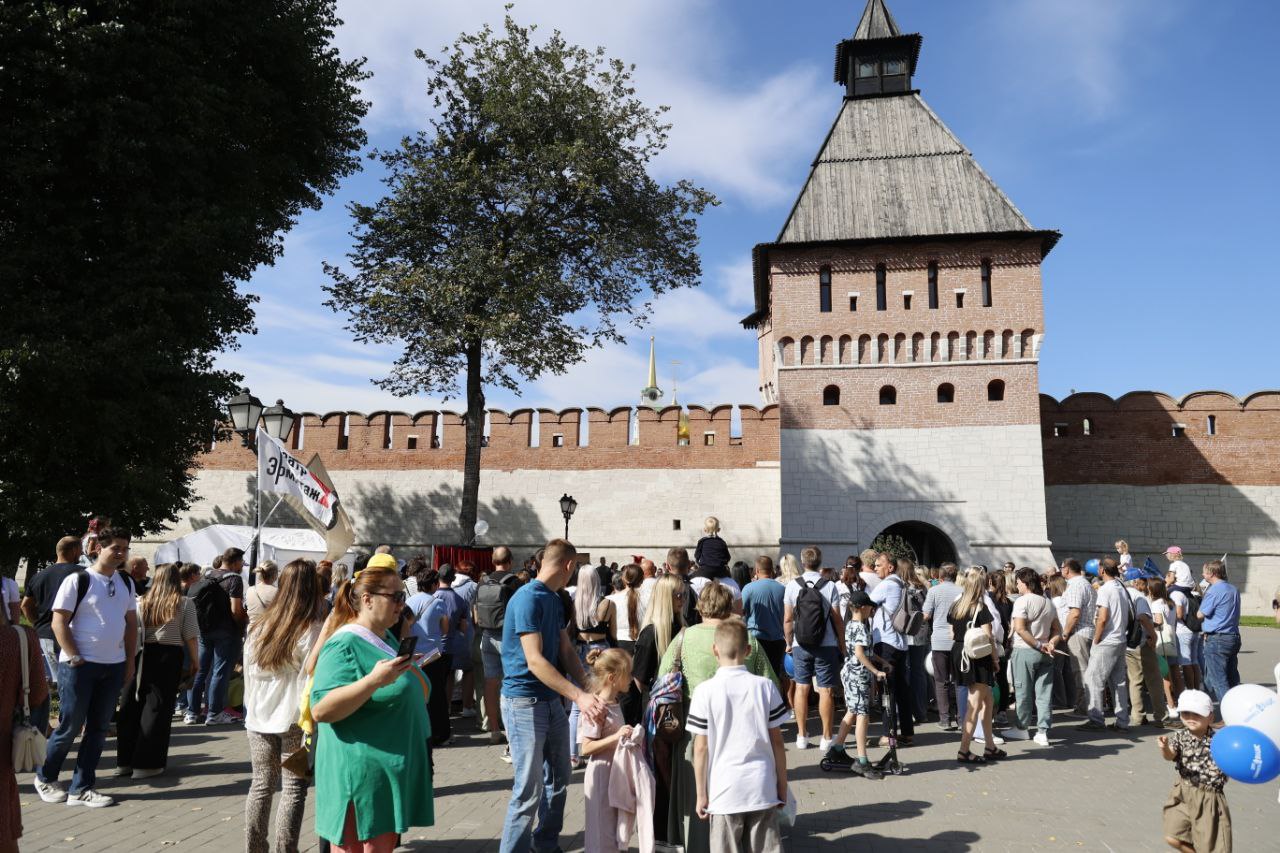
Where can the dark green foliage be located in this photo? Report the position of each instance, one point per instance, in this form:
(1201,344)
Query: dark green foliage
(520,228)
(152,154)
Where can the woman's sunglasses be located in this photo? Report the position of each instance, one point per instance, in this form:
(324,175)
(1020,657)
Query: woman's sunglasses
(397,597)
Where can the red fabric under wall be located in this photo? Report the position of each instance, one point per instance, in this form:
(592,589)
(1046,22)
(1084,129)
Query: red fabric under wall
(452,554)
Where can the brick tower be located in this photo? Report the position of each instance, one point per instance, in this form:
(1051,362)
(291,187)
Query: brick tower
(899,317)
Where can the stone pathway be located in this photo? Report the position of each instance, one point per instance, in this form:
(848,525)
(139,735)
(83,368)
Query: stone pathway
(1087,792)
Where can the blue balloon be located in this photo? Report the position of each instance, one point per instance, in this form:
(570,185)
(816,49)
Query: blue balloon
(1246,755)
(1091,567)
(789,665)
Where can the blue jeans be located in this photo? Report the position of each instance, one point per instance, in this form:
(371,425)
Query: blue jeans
(218,655)
(88,694)
(538,732)
(1221,672)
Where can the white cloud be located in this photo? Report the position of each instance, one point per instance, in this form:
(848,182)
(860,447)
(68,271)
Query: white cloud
(1082,51)
(305,386)
(736,137)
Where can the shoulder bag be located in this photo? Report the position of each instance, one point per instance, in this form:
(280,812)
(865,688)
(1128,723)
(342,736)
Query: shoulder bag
(28,742)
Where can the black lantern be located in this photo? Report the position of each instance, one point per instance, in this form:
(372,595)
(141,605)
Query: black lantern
(278,420)
(567,507)
(245,410)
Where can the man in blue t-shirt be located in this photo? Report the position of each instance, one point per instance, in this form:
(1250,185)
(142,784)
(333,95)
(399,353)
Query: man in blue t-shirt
(763,608)
(1220,622)
(536,653)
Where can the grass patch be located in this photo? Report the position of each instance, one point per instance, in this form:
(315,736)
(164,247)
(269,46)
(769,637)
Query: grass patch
(1258,622)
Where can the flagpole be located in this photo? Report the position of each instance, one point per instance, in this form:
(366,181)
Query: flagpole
(257,513)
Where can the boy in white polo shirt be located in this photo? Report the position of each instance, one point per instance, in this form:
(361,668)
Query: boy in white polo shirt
(739,762)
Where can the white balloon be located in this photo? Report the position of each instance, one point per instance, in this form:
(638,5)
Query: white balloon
(928,664)
(1254,706)
(482,527)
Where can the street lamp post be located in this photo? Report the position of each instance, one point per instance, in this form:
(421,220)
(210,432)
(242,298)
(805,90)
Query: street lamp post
(567,507)
(246,411)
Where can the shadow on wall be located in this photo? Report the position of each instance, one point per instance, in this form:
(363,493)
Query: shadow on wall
(1157,471)
(381,514)
(869,487)
(242,513)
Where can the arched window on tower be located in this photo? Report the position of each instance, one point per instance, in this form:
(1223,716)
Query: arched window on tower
(831,396)
(995,390)
(1086,427)
(888,395)
(946,393)
(882,294)
(824,290)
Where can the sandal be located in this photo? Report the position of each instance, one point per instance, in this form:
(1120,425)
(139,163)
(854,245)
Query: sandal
(994,753)
(964,756)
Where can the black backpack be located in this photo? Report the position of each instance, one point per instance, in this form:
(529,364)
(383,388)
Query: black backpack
(494,593)
(811,612)
(1133,631)
(213,606)
(1191,616)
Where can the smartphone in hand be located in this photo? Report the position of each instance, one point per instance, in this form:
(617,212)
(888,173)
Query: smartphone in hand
(430,656)
(407,645)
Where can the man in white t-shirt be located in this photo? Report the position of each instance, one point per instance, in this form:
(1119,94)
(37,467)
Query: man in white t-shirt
(1107,655)
(810,660)
(739,762)
(1141,666)
(890,644)
(97,634)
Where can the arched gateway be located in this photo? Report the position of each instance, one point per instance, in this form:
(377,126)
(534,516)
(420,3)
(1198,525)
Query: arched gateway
(930,545)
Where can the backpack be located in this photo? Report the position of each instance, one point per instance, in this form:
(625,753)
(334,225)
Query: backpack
(492,596)
(1191,617)
(82,588)
(1133,631)
(908,618)
(213,606)
(977,643)
(811,613)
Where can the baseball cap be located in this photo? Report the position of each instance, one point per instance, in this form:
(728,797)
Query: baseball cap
(858,598)
(382,561)
(1174,551)
(1195,702)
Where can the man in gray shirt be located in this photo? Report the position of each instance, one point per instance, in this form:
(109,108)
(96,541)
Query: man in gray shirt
(1080,600)
(937,604)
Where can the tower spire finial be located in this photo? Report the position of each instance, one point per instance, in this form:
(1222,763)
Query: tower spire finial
(651,394)
(653,365)
(877,22)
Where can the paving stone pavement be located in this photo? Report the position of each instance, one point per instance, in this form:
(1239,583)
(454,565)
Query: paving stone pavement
(1087,792)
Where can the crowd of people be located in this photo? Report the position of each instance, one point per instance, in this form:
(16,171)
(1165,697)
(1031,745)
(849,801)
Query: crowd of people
(667,684)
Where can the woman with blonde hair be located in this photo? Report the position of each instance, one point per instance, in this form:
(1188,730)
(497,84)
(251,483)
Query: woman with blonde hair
(977,675)
(596,619)
(146,715)
(373,775)
(275,653)
(788,569)
(663,621)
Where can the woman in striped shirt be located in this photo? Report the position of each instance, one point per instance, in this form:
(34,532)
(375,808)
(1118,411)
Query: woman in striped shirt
(146,716)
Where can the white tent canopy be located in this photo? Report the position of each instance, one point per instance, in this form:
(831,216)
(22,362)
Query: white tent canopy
(280,544)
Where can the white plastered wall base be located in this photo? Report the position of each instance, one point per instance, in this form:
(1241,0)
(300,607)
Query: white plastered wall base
(1206,521)
(981,486)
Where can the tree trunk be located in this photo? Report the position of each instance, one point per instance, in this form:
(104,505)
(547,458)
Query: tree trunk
(475,434)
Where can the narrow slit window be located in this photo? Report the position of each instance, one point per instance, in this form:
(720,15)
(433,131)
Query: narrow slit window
(1212,425)
(986,283)
(709,439)
(344,433)
(959,298)
(933,284)
(824,290)
(557,440)
(1087,427)
(675,524)
(906,301)
(1059,430)
(412,443)
(1179,430)
(853,302)
(882,296)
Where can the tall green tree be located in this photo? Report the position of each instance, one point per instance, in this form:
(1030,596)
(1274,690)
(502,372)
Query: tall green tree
(151,156)
(519,228)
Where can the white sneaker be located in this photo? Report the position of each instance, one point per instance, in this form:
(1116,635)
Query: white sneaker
(1017,734)
(506,754)
(1042,738)
(90,798)
(802,742)
(222,718)
(995,739)
(191,718)
(51,792)
(824,745)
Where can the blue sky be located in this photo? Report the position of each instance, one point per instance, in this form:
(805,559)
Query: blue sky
(1144,130)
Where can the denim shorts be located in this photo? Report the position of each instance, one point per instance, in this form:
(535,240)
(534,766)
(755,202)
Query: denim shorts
(824,661)
(1187,652)
(491,652)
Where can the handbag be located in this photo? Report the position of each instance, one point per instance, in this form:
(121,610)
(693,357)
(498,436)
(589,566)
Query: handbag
(29,744)
(669,722)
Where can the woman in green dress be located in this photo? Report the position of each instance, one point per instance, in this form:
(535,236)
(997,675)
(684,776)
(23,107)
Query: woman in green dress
(373,776)
(698,663)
